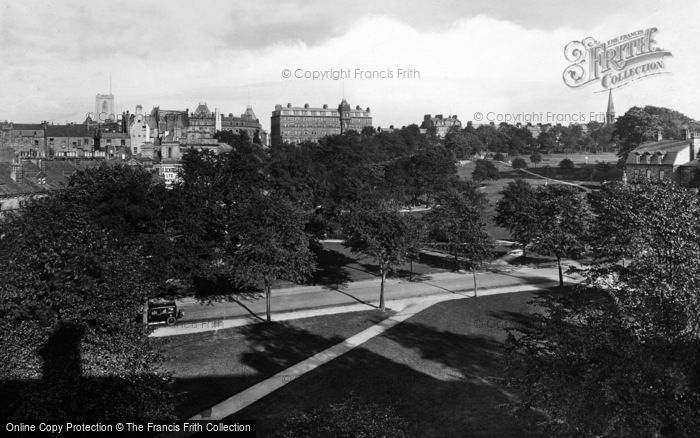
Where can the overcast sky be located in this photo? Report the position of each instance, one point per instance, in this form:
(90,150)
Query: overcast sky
(472,56)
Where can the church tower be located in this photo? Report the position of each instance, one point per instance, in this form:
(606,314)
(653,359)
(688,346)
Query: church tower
(610,113)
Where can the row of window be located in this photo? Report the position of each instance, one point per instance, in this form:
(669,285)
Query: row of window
(648,173)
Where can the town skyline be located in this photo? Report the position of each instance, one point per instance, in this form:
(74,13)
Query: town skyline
(222,59)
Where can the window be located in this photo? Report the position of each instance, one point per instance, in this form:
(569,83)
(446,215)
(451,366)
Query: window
(170,152)
(661,174)
(123,142)
(136,150)
(85,141)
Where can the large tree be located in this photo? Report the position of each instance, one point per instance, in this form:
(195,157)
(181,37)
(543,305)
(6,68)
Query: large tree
(562,223)
(457,226)
(383,233)
(270,244)
(516,211)
(74,345)
(619,357)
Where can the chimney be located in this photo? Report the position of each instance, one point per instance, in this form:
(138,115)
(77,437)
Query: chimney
(16,171)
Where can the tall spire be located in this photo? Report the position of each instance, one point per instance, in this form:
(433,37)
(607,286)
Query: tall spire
(610,113)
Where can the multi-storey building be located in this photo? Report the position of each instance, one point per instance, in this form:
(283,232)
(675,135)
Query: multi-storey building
(72,140)
(298,124)
(168,125)
(247,122)
(23,139)
(441,124)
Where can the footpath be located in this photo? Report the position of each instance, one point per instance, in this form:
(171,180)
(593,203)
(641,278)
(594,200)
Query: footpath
(309,301)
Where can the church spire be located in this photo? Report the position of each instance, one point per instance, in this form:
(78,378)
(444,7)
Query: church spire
(610,113)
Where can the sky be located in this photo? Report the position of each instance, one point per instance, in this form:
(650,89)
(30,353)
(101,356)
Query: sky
(497,59)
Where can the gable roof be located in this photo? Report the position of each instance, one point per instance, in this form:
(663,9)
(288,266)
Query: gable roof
(667,149)
(56,173)
(74,130)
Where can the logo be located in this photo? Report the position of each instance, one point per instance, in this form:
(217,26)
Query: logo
(616,62)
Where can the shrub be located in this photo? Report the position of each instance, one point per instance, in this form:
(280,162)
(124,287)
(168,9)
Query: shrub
(566,164)
(519,163)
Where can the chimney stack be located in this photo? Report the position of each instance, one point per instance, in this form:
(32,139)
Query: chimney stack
(16,171)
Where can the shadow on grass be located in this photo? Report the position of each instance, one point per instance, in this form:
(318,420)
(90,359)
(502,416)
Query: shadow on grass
(441,377)
(331,268)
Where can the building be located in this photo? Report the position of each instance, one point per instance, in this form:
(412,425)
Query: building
(675,160)
(23,139)
(139,132)
(441,124)
(247,122)
(115,145)
(168,125)
(202,124)
(298,124)
(168,172)
(70,141)
(24,179)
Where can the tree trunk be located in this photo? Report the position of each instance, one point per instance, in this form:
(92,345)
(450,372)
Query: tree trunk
(561,277)
(145,314)
(410,277)
(381,290)
(474,275)
(268,296)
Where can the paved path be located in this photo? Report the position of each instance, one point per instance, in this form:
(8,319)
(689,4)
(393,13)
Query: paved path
(305,301)
(556,180)
(249,396)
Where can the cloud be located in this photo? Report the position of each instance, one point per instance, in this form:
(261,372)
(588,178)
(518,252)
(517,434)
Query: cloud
(471,57)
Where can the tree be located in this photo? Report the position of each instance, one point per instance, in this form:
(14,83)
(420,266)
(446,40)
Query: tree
(516,211)
(619,356)
(566,164)
(457,226)
(562,222)
(74,346)
(547,141)
(382,232)
(270,244)
(498,156)
(536,158)
(519,163)
(416,228)
(484,170)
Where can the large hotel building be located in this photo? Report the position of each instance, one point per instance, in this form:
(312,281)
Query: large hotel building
(298,124)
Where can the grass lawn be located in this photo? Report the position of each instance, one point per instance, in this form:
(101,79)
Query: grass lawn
(210,367)
(441,371)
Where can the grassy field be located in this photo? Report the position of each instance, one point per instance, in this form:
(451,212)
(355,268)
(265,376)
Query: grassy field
(210,367)
(442,371)
(492,188)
